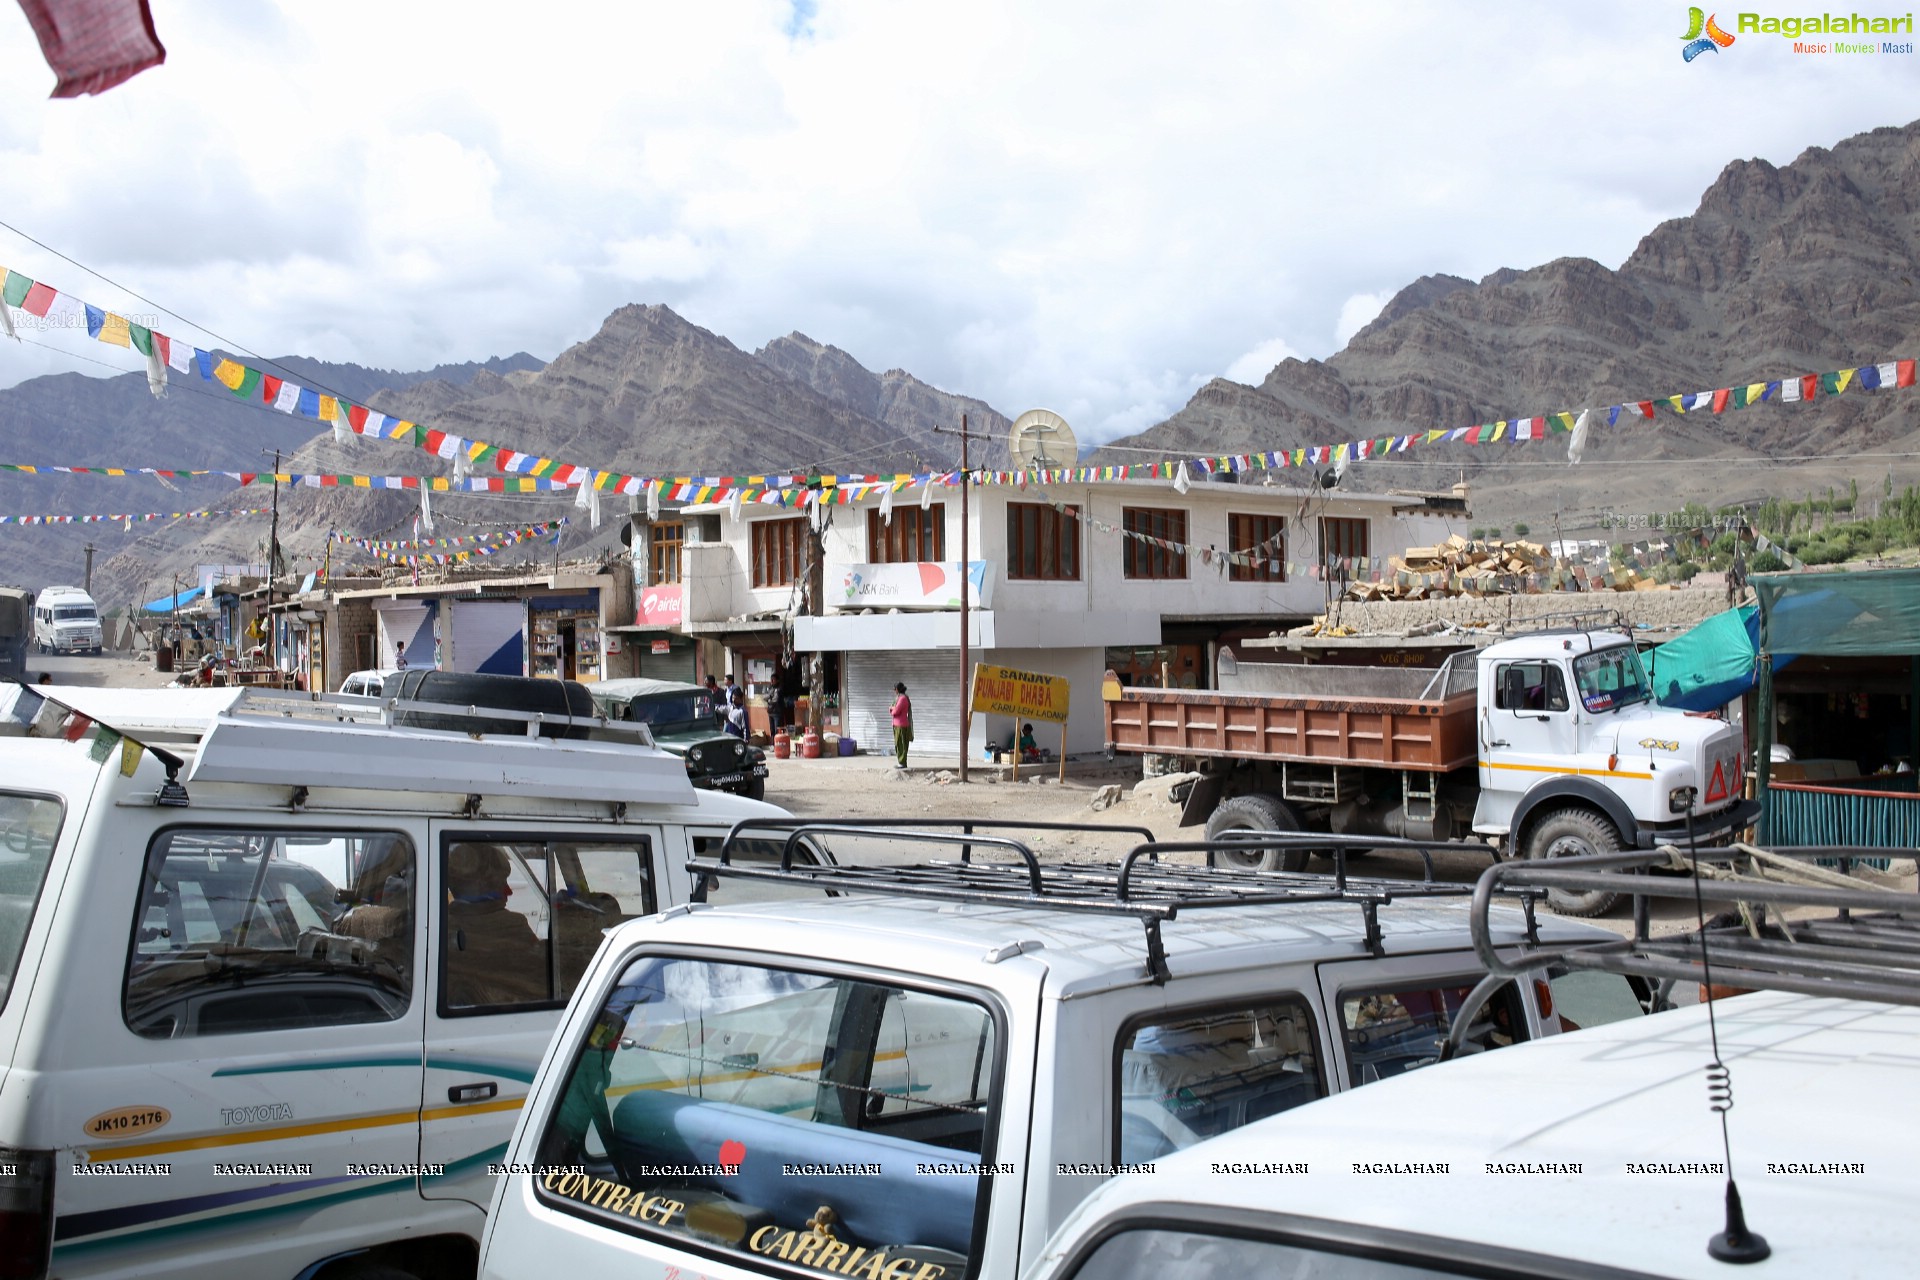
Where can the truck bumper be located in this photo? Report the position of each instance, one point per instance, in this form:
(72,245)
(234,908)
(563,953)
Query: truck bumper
(1715,828)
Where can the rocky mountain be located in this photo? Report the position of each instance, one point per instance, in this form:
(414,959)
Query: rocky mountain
(650,393)
(1780,271)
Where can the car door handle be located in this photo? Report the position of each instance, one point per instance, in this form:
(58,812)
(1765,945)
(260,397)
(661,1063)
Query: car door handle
(473,1092)
(1498,743)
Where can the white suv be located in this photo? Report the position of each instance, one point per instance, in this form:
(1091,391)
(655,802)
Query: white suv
(1591,1154)
(919,1080)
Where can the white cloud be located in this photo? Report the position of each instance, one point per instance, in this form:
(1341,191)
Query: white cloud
(1253,367)
(1356,313)
(1074,204)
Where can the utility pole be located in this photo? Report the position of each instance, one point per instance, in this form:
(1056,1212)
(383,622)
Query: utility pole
(966,687)
(87,582)
(273,563)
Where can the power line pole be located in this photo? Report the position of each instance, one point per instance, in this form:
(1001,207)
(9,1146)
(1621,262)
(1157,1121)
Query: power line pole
(87,582)
(966,717)
(273,563)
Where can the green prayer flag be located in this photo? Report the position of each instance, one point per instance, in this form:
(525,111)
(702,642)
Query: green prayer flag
(17,287)
(142,338)
(249,385)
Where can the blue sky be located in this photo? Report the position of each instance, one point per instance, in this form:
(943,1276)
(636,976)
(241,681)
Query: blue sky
(1090,206)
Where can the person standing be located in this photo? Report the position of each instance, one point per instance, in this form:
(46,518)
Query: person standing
(902,725)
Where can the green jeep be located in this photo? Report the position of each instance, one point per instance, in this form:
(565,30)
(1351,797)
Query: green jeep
(686,720)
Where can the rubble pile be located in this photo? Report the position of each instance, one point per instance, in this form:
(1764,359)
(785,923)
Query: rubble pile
(1491,567)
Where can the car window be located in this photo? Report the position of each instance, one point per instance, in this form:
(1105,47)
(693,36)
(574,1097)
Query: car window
(1591,998)
(1395,1030)
(1610,679)
(1192,1076)
(29,827)
(1156,1253)
(523,918)
(756,851)
(1530,686)
(800,1118)
(238,930)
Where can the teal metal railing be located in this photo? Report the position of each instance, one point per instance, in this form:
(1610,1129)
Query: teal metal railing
(1881,812)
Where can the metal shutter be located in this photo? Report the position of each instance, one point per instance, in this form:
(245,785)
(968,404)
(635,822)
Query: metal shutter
(488,637)
(932,678)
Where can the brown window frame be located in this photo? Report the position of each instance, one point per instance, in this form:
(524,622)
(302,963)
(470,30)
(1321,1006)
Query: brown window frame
(778,551)
(1267,534)
(664,542)
(1338,543)
(1144,561)
(1046,536)
(915,536)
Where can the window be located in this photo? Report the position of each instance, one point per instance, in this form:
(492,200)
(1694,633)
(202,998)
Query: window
(1197,1075)
(1266,538)
(524,917)
(779,551)
(1391,1032)
(1342,538)
(1157,1252)
(914,535)
(1530,686)
(727,1102)
(29,826)
(243,929)
(1043,543)
(664,541)
(1610,679)
(1143,559)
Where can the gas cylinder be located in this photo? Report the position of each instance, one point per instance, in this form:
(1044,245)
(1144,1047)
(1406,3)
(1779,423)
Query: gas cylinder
(810,745)
(782,745)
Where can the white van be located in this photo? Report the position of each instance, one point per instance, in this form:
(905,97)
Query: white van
(66,620)
(1593,1154)
(275,972)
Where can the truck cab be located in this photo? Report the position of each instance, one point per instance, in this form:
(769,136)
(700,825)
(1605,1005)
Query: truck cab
(1575,756)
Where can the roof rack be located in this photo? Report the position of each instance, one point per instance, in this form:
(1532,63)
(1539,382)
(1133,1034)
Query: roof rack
(1141,885)
(1869,949)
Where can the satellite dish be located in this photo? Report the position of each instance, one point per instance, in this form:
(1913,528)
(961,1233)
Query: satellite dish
(1041,440)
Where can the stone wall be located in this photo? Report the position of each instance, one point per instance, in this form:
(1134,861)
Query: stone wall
(1667,611)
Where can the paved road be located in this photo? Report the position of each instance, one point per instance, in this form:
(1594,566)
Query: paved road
(106,671)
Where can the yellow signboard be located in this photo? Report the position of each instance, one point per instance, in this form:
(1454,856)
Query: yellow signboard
(1024,695)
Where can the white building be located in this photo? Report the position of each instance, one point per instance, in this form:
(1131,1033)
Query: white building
(1067,581)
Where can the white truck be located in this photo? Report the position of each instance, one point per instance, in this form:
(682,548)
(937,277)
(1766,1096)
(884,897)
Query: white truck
(1548,745)
(66,620)
(275,970)
(920,1079)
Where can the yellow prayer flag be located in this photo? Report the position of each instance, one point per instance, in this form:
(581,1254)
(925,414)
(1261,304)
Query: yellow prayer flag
(1840,384)
(130,753)
(114,329)
(229,374)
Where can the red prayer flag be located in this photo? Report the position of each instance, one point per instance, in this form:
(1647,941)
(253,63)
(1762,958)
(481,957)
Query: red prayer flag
(38,299)
(1720,398)
(269,388)
(1903,373)
(93,45)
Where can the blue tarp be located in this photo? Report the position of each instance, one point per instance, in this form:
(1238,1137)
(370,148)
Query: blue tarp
(1711,665)
(167,604)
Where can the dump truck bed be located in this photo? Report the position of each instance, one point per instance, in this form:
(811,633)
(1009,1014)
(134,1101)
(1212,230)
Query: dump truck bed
(1384,717)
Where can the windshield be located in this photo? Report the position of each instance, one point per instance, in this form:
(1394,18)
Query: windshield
(1611,679)
(74,613)
(679,708)
(730,1102)
(29,826)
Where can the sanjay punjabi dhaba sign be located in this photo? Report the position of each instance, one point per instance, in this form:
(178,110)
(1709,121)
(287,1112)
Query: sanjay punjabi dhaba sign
(1024,695)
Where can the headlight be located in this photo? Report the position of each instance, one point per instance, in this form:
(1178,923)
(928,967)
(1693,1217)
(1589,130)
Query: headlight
(1680,799)
(695,755)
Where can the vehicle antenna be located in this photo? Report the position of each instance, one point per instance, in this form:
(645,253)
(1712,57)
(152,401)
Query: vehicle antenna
(1735,1244)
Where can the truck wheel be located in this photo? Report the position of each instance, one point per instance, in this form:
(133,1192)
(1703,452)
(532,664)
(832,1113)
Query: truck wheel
(756,789)
(1570,833)
(1255,813)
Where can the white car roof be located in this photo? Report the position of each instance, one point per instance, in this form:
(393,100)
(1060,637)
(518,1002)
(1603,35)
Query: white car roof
(1083,951)
(1816,1082)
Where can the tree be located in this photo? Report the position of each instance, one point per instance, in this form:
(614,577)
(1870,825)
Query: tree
(1521,530)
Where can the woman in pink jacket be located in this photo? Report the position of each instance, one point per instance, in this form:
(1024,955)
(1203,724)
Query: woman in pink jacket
(902,726)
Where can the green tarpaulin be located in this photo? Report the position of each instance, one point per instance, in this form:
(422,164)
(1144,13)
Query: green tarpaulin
(1709,666)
